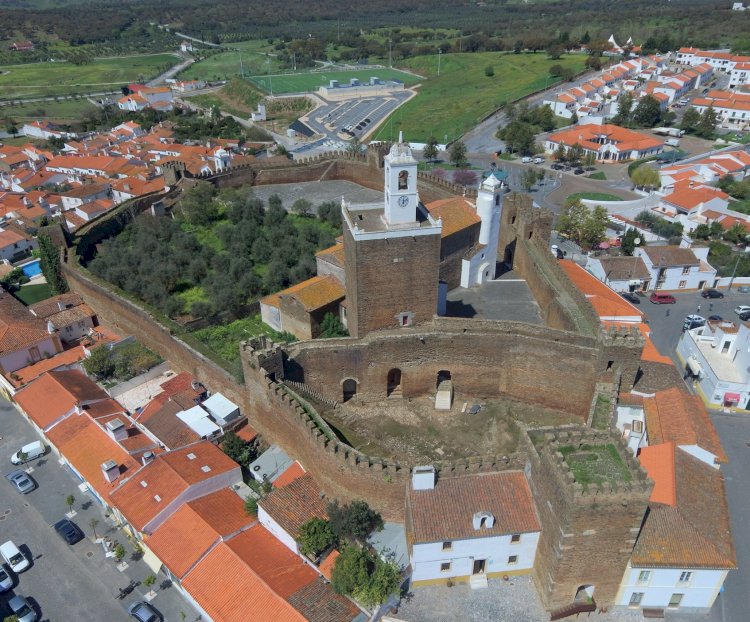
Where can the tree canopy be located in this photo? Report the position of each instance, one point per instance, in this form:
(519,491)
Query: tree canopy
(363,575)
(585,226)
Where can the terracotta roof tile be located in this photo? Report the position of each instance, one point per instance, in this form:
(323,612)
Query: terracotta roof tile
(446,512)
(669,256)
(695,532)
(319,603)
(456,213)
(624,139)
(294,472)
(658,460)
(18,328)
(226,588)
(48,307)
(333,254)
(160,418)
(187,535)
(675,415)
(622,268)
(23,376)
(312,294)
(294,504)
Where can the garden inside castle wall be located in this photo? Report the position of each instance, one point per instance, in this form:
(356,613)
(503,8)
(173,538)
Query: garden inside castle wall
(531,364)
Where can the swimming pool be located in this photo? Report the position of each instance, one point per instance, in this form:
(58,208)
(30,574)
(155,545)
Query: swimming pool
(32,268)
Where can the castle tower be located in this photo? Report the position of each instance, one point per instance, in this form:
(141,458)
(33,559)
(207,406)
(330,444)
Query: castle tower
(479,264)
(391,253)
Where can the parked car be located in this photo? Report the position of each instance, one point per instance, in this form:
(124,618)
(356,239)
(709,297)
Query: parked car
(28,452)
(579,171)
(6,581)
(13,557)
(22,609)
(712,293)
(745,316)
(744,289)
(526,160)
(68,531)
(538,160)
(23,483)
(739,310)
(631,298)
(556,166)
(143,612)
(663,299)
(693,321)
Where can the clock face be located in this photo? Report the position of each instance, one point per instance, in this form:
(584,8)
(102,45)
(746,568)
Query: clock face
(403,201)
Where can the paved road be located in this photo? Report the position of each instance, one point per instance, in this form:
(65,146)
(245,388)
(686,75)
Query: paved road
(171,72)
(66,583)
(734,431)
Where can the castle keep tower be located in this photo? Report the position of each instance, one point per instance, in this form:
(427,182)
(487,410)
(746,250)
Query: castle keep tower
(392,253)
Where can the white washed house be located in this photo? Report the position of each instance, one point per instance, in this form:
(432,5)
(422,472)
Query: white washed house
(684,550)
(675,268)
(470,528)
(716,357)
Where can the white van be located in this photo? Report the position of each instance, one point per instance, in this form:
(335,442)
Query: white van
(29,452)
(672,142)
(13,557)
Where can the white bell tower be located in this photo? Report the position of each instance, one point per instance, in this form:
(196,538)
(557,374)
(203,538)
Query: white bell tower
(401,197)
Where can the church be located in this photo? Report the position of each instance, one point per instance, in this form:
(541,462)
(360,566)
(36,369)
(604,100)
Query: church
(397,259)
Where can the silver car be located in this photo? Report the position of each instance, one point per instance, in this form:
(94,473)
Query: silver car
(6,581)
(23,483)
(20,606)
(143,612)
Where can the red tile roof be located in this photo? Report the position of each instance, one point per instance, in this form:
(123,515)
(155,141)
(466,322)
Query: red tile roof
(294,504)
(25,375)
(446,512)
(658,460)
(19,329)
(456,213)
(294,472)
(188,534)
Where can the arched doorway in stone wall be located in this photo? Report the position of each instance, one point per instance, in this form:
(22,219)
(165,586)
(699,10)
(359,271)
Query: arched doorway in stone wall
(349,389)
(394,383)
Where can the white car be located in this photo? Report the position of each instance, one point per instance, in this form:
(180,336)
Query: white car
(526,160)
(742,309)
(538,160)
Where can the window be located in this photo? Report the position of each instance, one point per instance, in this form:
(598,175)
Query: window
(515,538)
(403,180)
(675,600)
(513,559)
(686,270)
(685,577)
(644,575)
(445,567)
(635,599)
(682,284)
(447,546)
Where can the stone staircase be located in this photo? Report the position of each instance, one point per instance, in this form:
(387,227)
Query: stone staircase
(478,581)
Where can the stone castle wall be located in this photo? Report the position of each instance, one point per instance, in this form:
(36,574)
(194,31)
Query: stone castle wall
(588,532)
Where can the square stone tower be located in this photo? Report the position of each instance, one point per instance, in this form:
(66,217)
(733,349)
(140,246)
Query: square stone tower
(392,253)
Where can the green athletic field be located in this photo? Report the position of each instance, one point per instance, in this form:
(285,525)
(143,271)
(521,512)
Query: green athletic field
(305,82)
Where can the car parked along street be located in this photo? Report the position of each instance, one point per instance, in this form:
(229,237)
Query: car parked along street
(23,483)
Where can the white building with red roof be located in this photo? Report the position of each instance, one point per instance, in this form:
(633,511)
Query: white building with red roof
(608,143)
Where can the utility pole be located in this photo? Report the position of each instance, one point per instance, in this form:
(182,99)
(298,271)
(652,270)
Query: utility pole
(736,263)
(440,54)
(338,34)
(242,71)
(390,58)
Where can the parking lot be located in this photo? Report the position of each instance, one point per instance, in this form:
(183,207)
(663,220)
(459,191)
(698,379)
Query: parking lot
(66,582)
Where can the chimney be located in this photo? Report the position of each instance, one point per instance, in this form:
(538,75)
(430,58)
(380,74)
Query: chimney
(110,470)
(61,305)
(117,429)
(51,329)
(423,478)
(147,457)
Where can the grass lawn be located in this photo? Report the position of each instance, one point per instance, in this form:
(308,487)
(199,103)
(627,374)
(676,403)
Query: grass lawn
(226,65)
(600,420)
(30,294)
(598,175)
(740,206)
(449,105)
(48,79)
(596,464)
(64,110)
(305,82)
(594,196)
(238,97)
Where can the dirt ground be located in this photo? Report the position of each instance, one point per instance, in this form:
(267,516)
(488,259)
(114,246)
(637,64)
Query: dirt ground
(414,432)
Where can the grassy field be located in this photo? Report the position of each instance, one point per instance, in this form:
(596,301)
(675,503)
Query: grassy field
(30,294)
(63,110)
(226,65)
(594,196)
(304,82)
(449,105)
(48,79)
(238,97)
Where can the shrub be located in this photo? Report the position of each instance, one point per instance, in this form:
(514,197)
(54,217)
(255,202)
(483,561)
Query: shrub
(315,536)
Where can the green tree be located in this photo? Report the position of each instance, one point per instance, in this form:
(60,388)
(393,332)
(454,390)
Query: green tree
(70,501)
(100,364)
(430,151)
(529,179)
(575,154)
(707,125)
(561,155)
(645,177)
(384,581)
(556,70)
(366,577)
(518,136)
(690,120)
(315,536)
(49,261)
(628,241)
(251,506)
(589,160)
(648,112)
(302,207)
(624,109)
(94,523)
(489,71)
(586,38)
(149,581)
(457,153)
(197,204)
(331,326)
(701,232)
(236,448)
(584,226)
(119,552)
(736,234)
(355,521)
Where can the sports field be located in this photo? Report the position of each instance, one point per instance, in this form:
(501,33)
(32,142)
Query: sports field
(306,82)
(228,65)
(104,74)
(463,94)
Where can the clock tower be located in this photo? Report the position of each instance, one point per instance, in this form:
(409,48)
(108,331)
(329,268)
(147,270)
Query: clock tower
(401,197)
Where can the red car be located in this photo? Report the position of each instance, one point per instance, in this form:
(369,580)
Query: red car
(662,299)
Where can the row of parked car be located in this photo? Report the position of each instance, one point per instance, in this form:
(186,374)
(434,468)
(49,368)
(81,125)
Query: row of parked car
(16,562)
